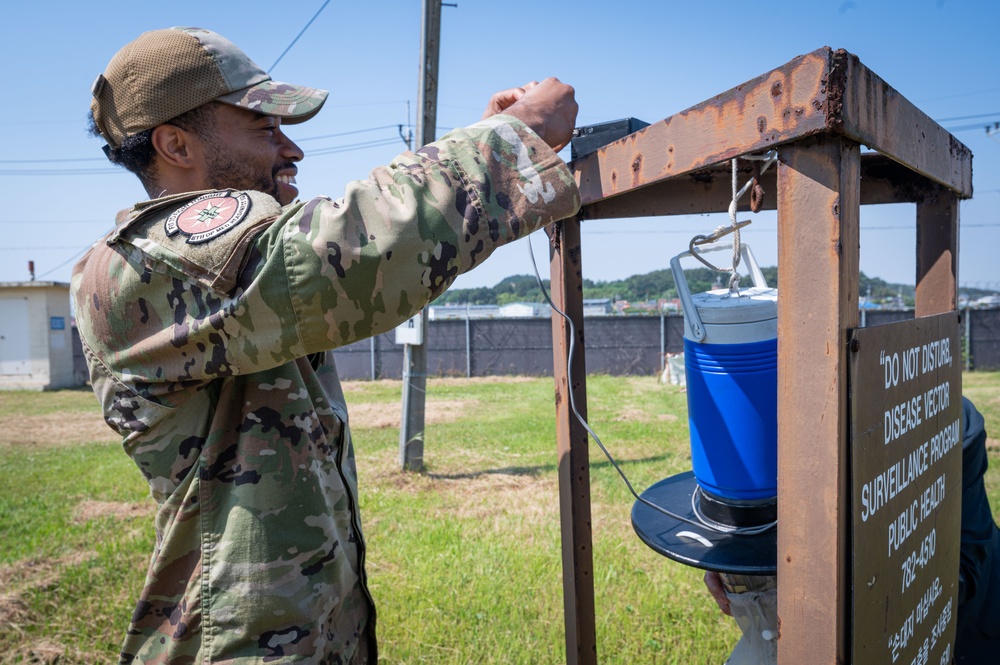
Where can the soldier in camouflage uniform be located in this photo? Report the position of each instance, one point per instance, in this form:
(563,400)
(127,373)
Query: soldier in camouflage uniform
(207,312)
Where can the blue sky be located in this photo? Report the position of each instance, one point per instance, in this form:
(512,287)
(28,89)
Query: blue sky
(647,59)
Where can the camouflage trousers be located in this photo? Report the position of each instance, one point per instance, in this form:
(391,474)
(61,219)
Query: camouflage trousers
(360,656)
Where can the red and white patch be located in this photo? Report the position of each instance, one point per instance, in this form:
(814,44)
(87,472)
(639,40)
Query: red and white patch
(208,216)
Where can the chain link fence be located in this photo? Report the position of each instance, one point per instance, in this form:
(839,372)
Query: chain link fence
(980,334)
(620,346)
(615,345)
(981,342)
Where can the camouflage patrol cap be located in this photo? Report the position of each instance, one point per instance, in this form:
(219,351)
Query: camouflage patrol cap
(165,73)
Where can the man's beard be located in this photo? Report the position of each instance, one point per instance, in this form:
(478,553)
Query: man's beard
(228,171)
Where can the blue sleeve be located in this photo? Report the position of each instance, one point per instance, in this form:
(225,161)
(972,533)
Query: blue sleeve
(977,637)
(977,520)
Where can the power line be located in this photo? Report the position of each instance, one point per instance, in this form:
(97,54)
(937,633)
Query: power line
(968,117)
(332,105)
(37,172)
(37,249)
(32,222)
(301,32)
(68,171)
(965,128)
(764,229)
(334,150)
(329,150)
(72,258)
(50,161)
(961,94)
(355,131)
(63,172)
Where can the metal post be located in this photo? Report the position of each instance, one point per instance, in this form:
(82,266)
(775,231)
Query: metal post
(663,340)
(411,427)
(968,340)
(571,445)
(373,338)
(818,260)
(937,254)
(468,344)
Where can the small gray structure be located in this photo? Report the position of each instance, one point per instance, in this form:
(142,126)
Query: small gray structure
(36,349)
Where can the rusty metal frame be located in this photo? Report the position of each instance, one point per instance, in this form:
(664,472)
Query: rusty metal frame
(816,111)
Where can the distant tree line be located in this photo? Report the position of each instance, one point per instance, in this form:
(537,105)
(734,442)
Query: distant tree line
(658,285)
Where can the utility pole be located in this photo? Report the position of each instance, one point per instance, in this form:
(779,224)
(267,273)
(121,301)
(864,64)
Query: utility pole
(411,425)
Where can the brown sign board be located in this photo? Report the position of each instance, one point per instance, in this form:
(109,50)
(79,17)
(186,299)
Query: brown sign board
(906,490)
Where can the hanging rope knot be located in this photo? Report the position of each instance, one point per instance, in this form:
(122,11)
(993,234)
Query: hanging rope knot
(756,202)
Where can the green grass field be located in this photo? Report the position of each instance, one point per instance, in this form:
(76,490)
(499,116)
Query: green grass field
(464,559)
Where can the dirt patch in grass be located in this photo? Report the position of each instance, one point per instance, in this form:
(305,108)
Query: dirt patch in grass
(13,612)
(51,652)
(26,575)
(507,498)
(92,510)
(501,499)
(633,414)
(462,380)
(36,573)
(352,386)
(993,444)
(43,652)
(55,429)
(381,416)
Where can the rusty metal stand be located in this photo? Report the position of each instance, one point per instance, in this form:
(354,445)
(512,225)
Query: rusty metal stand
(816,111)
(571,444)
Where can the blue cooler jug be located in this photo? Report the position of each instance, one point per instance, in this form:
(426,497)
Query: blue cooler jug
(731,360)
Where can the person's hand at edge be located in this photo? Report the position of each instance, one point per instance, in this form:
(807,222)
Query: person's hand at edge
(714,584)
(548,108)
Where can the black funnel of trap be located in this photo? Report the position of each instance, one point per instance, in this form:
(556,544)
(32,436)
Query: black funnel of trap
(729,513)
(699,534)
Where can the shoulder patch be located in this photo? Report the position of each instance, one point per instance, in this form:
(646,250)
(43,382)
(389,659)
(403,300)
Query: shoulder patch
(208,216)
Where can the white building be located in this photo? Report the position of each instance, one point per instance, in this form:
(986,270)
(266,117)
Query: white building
(525,310)
(36,344)
(992,300)
(597,306)
(461,312)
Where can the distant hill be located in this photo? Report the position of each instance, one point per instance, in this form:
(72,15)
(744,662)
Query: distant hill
(659,284)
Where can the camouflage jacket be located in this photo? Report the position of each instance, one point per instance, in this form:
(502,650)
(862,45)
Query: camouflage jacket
(205,318)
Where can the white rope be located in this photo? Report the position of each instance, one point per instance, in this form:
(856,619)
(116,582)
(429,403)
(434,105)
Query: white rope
(734,227)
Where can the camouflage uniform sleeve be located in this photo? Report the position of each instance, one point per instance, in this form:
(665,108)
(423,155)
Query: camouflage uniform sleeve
(360,265)
(326,272)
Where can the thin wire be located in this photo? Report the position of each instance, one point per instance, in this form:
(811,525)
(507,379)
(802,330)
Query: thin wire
(301,32)
(348,147)
(956,96)
(72,258)
(33,222)
(353,131)
(37,172)
(968,117)
(353,146)
(967,128)
(50,161)
(597,439)
(37,249)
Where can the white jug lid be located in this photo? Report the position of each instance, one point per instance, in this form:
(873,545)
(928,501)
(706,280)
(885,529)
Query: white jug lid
(752,304)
